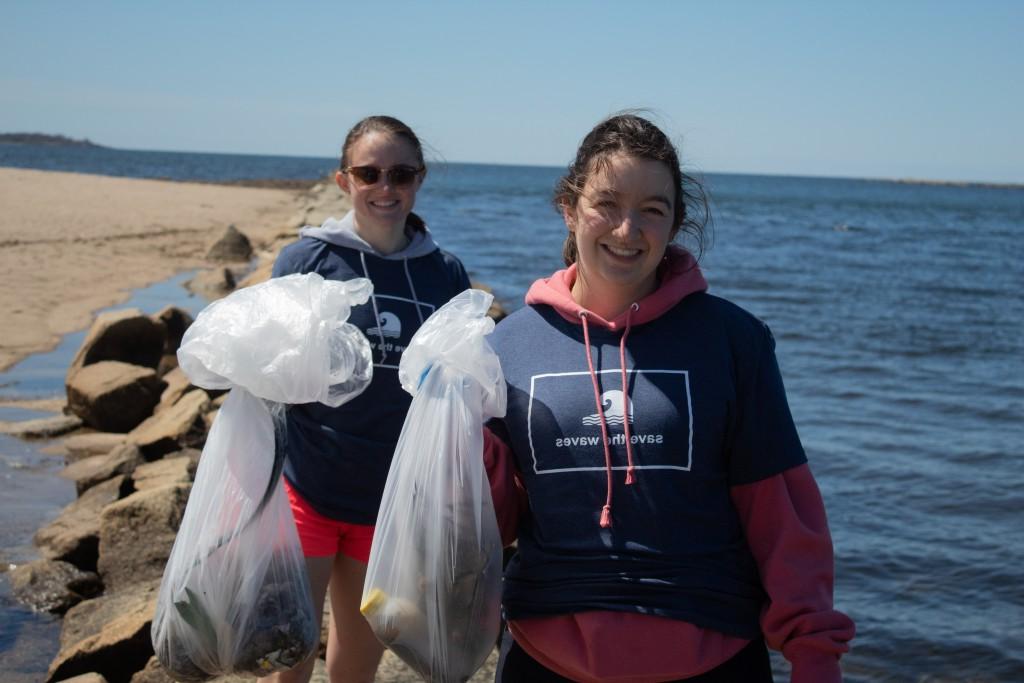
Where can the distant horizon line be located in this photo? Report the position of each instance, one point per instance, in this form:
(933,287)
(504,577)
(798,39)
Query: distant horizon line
(72,142)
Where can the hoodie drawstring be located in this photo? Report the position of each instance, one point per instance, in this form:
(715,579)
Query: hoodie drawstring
(376,313)
(416,300)
(606,511)
(630,477)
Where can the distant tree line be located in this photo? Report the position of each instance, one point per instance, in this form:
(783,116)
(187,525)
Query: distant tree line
(44,139)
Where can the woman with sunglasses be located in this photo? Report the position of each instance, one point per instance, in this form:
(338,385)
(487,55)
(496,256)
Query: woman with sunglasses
(668,524)
(338,458)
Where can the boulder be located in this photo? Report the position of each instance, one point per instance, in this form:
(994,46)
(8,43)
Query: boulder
(168,362)
(175,321)
(136,535)
(230,246)
(90,471)
(175,468)
(81,446)
(156,673)
(112,396)
(152,673)
(53,585)
(108,635)
(177,384)
(179,426)
(74,535)
(86,678)
(210,418)
(261,273)
(41,428)
(212,284)
(125,335)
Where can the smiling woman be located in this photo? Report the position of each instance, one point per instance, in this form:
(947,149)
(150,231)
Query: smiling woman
(338,458)
(668,525)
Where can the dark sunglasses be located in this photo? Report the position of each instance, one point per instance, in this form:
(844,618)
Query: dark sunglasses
(398,176)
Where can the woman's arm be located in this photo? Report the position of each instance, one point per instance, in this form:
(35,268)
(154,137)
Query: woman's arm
(506,488)
(787,531)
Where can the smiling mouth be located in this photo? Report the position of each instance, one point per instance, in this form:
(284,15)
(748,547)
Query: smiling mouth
(619,251)
(385,205)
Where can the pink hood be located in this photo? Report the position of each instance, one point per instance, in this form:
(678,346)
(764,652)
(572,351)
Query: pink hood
(678,277)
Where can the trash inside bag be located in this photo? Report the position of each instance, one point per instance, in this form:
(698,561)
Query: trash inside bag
(235,595)
(433,585)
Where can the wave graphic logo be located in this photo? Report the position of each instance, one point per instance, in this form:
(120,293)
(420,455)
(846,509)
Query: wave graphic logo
(388,326)
(613,405)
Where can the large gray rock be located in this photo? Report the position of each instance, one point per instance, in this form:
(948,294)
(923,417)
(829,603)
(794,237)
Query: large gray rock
(136,535)
(80,446)
(212,284)
(74,535)
(125,335)
(87,678)
(112,396)
(108,635)
(230,246)
(177,386)
(174,468)
(177,427)
(156,673)
(93,470)
(53,585)
(41,428)
(175,321)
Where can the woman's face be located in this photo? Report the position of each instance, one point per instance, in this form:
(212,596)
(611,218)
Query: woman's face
(623,224)
(382,206)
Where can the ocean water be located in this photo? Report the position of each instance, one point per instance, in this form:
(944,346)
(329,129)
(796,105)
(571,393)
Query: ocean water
(898,313)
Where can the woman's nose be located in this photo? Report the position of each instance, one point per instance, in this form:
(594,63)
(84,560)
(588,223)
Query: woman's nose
(628,224)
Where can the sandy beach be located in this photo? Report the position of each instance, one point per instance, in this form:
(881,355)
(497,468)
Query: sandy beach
(71,243)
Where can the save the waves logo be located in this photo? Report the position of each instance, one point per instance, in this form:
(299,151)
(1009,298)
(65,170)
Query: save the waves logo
(617,408)
(613,405)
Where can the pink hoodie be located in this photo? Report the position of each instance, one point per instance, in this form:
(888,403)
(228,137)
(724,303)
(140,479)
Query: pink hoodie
(785,524)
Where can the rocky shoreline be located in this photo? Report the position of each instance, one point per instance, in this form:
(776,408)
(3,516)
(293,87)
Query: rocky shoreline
(132,433)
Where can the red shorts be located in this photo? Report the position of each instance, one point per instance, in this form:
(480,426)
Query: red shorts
(324,537)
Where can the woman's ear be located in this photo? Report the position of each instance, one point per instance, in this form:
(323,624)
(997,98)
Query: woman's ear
(569,216)
(342,180)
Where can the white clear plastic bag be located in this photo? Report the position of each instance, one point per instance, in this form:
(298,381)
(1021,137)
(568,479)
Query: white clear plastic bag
(433,585)
(235,595)
(281,339)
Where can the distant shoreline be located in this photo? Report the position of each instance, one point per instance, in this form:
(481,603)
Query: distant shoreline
(953,183)
(45,139)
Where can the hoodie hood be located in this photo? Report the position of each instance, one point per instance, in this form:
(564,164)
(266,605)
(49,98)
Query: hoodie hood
(678,277)
(343,233)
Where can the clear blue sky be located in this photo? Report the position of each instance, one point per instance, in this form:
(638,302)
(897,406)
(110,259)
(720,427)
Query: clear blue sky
(870,89)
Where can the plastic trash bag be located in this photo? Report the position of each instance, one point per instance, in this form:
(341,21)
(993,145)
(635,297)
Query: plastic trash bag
(281,340)
(433,585)
(235,595)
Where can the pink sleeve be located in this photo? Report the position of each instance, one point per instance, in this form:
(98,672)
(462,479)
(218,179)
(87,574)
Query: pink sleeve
(786,528)
(506,489)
